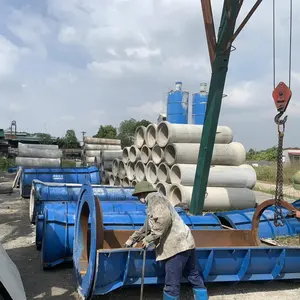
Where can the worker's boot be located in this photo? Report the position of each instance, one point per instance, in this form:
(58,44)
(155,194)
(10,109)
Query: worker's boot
(168,297)
(200,294)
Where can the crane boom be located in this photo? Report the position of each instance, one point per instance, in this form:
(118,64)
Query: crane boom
(219,52)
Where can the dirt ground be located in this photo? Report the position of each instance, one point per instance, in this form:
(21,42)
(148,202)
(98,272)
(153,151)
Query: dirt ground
(17,237)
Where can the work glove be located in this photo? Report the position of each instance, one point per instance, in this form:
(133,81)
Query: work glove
(146,244)
(128,244)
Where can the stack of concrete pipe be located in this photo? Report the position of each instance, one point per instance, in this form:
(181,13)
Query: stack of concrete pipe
(166,155)
(93,146)
(34,156)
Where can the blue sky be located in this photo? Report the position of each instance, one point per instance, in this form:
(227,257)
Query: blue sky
(77,64)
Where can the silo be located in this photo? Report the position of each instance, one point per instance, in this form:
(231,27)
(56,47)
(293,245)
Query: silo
(199,105)
(178,103)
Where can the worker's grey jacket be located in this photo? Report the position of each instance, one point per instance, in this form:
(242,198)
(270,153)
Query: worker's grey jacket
(165,227)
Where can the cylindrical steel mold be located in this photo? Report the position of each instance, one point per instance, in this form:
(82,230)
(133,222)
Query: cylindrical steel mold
(168,133)
(178,105)
(57,175)
(233,154)
(217,198)
(243,176)
(150,138)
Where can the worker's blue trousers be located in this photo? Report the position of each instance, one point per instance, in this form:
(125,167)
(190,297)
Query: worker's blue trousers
(182,264)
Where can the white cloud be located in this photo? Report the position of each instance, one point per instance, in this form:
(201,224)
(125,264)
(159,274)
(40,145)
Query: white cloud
(15,107)
(142,52)
(148,110)
(9,56)
(68,35)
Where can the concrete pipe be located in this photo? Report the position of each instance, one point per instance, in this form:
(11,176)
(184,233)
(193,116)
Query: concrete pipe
(133,182)
(117,181)
(131,171)
(151,172)
(92,153)
(168,133)
(101,141)
(107,155)
(163,173)
(111,179)
(37,146)
(39,153)
(140,134)
(115,167)
(150,137)
(163,188)
(140,171)
(89,160)
(218,198)
(126,154)
(158,154)
(134,154)
(243,176)
(107,165)
(126,182)
(233,154)
(146,154)
(91,147)
(106,177)
(32,162)
(97,162)
(122,169)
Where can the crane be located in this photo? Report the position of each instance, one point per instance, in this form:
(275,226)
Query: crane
(219,49)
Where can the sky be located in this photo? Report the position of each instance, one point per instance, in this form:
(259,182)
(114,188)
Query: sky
(79,64)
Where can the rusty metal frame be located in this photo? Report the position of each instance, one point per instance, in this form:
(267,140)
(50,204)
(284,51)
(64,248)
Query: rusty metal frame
(209,29)
(249,15)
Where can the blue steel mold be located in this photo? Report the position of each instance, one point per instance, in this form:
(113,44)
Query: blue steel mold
(55,229)
(121,267)
(177,107)
(241,219)
(109,269)
(48,194)
(199,105)
(58,175)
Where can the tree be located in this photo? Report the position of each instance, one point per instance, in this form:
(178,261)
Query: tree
(107,131)
(70,140)
(45,138)
(127,131)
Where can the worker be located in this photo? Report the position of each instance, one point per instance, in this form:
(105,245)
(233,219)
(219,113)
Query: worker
(173,240)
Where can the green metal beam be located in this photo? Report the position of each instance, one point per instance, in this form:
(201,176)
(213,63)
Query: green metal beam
(219,71)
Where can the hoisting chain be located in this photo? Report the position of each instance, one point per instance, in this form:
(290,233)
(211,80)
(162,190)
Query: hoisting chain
(278,216)
(282,95)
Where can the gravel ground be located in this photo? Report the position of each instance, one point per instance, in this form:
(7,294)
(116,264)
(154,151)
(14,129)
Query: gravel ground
(17,237)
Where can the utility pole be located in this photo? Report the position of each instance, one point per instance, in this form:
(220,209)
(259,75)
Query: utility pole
(83,133)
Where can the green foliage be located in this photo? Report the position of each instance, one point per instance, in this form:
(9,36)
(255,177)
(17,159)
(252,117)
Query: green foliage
(66,163)
(5,163)
(70,140)
(45,138)
(268,173)
(108,132)
(127,131)
(269,155)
